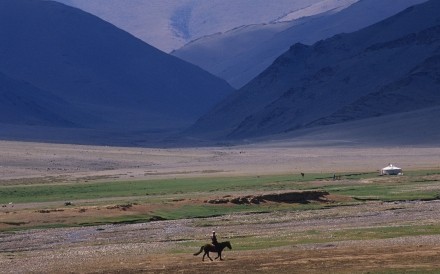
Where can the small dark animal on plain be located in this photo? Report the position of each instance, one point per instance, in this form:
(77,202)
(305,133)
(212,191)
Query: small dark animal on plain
(302,174)
(211,248)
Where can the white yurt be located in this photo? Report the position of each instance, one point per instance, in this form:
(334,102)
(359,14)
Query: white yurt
(391,170)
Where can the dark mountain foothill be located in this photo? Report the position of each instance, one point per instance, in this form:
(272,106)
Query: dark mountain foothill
(111,79)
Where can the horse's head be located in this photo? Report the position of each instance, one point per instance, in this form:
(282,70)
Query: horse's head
(228,245)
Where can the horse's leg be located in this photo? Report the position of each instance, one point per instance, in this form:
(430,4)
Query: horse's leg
(207,253)
(219,256)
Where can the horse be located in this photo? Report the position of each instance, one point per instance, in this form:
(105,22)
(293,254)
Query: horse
(211,248)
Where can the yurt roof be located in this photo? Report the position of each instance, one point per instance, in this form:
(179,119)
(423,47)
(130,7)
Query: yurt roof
(391,167)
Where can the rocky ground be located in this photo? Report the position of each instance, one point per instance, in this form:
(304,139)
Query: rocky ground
(167,246)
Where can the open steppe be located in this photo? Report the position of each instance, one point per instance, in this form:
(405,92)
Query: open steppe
(365,224)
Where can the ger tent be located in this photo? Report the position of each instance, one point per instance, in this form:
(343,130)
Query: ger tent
(391,170)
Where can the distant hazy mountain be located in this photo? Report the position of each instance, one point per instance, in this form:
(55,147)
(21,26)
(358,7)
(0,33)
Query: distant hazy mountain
(75,62)
(241,54)
(170,24)
(390,67)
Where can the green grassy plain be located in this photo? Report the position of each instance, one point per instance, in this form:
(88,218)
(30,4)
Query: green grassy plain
(165,194)
(387,188)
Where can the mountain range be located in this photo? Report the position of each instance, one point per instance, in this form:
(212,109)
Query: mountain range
(237,40)
(68,76)
(242,53)
(388,68)
(63,67)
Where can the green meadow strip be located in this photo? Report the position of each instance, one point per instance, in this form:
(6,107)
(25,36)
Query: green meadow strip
(388,188)
(79,191)
(382,191)
(46,226)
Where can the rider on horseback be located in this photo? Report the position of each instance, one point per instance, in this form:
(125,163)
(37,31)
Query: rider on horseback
(214,240)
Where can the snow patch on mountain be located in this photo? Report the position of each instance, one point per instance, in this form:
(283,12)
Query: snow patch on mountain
(169,25)
(318,8)
(180,21)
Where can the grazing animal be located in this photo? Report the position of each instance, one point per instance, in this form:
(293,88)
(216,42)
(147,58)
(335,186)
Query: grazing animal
(211,248)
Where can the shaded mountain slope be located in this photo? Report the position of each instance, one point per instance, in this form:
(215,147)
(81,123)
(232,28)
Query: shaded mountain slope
(419,128)
(23,104)
(417,90)
(100,69)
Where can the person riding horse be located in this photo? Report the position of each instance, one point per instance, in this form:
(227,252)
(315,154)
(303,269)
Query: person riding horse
(214,240)
(215,246)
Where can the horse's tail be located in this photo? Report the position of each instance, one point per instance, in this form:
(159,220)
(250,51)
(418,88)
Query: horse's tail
(197,253)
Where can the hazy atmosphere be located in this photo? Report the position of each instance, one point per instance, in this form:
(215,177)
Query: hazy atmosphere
(221,136)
